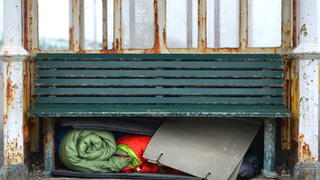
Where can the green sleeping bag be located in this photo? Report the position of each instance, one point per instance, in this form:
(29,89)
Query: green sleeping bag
(92,151)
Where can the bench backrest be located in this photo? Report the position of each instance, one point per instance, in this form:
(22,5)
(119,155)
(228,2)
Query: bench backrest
(167,79)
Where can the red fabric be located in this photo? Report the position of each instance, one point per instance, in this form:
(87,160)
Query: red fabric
(138,144)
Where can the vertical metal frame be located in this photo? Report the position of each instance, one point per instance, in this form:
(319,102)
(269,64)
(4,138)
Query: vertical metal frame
(76,27)
(77,30)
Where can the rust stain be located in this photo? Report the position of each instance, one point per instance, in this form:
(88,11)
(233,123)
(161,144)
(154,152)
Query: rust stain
(304,153)
(5,119)
(247,25)
(25,22)
(71,36)
(164,35)
(117,44)
(295,104)
(294,23)
(27,101)
(9,93)
(5,53)
(156,26)
(304,30)
(286,124)
(13,152)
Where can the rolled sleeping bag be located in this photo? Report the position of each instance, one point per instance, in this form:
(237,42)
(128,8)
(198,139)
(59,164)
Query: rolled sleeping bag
(92,151)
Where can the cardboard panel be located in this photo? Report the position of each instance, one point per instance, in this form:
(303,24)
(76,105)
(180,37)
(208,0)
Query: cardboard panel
(207,148)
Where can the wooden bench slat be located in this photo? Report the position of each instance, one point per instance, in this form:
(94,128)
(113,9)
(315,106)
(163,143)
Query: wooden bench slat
(161,82)
(161,73)
(160,64)
(161,91)
(158,111)
(160,100)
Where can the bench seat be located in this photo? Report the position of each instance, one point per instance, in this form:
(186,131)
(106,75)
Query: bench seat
(159,111)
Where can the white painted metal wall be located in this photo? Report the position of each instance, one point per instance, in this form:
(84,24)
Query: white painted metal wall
(1,85)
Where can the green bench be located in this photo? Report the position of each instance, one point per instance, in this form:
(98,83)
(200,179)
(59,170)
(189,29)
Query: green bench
(159,85)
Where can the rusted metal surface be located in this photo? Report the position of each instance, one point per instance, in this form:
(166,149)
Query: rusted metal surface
(269,149)
(25,21)
(160,31)
(32,25)
(13,55)
(294,23)
(243,30)
(104,25)
(308,130)
(287,28)
(48,154)
(117,35)
(295,105)
(76,30)
(286,122)
(202,24)
(13,113)
(304,153)
(307,171)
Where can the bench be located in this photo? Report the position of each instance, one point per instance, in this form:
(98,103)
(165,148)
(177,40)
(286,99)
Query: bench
(160,85)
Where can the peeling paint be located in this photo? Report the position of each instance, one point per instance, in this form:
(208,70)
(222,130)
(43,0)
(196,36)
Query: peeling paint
(304,152)
(9,93)
(5,119)
(295,104)
(303,30)
(71,37)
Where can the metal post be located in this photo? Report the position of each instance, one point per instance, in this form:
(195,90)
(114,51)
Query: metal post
(308,54)
(117,35)
(105,24)
(76,30)
(189,23)
(202,23)
(269,149)
(217,24)
(13,56)
(48,154)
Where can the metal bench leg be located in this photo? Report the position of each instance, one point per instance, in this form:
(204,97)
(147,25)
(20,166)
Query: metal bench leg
(269,148)
(48,155)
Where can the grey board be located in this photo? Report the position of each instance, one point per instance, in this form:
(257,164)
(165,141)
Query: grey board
(202,146)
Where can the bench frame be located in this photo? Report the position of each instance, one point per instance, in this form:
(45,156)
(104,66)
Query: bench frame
(269,130)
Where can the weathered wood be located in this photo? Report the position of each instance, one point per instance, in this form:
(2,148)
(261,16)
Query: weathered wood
(184,85)
(158,111)
(162,91)
(214,57)
(161,64)
(160,100)
(162,73)
(162,82)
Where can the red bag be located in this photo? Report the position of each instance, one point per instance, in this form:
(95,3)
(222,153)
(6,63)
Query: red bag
(138,144)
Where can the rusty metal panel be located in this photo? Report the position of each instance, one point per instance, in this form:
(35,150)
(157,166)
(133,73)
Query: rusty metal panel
(243,37)
(76,29)
(117,42)
(104,24)
(13,113)
(287,26)
(160,26)
(202,23)
(32,25)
